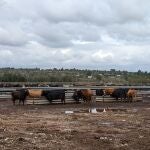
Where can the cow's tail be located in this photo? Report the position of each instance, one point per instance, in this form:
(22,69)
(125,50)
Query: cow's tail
(63,99)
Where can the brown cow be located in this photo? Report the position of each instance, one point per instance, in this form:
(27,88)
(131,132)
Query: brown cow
(84,94)
(34,93)
(131,94)
(109,91)
(87,93)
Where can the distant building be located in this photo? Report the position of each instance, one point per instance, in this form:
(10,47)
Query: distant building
(109,83)
(89,77)
(118,75)
(65,85)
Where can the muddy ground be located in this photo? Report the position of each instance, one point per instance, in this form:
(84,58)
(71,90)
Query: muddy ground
(123,126)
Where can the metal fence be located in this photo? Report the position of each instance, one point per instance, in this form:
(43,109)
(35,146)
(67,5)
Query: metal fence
(67,87)
(5,93)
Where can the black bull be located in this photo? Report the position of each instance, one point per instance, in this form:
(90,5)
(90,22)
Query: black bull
(19,94)
(100,92)
(117,93)
(120,93)
(54,95)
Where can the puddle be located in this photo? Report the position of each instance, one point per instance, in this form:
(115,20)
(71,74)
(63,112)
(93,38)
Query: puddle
(135,110)
(106,123)
(97,110)
(92,110)
(69,112)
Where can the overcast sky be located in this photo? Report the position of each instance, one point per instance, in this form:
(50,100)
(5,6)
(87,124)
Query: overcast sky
(86,34)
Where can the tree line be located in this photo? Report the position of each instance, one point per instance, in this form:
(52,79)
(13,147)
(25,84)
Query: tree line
(103,77)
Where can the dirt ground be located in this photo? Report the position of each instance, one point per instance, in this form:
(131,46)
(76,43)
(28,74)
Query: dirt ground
(44,127)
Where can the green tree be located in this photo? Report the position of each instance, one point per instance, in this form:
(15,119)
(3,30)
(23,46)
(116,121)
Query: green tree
(99,77)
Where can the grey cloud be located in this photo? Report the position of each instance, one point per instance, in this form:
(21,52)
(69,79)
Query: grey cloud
(75,11)
(95,12)
(9,36)
(84,34)
(2,2)
(53,35)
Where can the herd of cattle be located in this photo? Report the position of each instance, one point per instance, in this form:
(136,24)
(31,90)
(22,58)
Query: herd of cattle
(83,94)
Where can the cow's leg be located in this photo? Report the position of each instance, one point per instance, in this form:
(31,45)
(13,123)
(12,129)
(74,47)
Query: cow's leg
(121,99)
(130,99)
(93,101)
(13,101)
(84,99)
(23,102)
(49,99)
(77,100)
(103,98)
(124,98)
(87,100)
(117,99)
(19,101)
(63,100)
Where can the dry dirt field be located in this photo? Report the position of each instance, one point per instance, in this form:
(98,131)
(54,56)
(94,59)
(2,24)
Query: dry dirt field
(46,127)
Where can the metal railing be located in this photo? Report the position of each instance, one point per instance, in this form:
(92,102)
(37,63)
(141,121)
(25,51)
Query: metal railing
(5,93)
(10,89)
